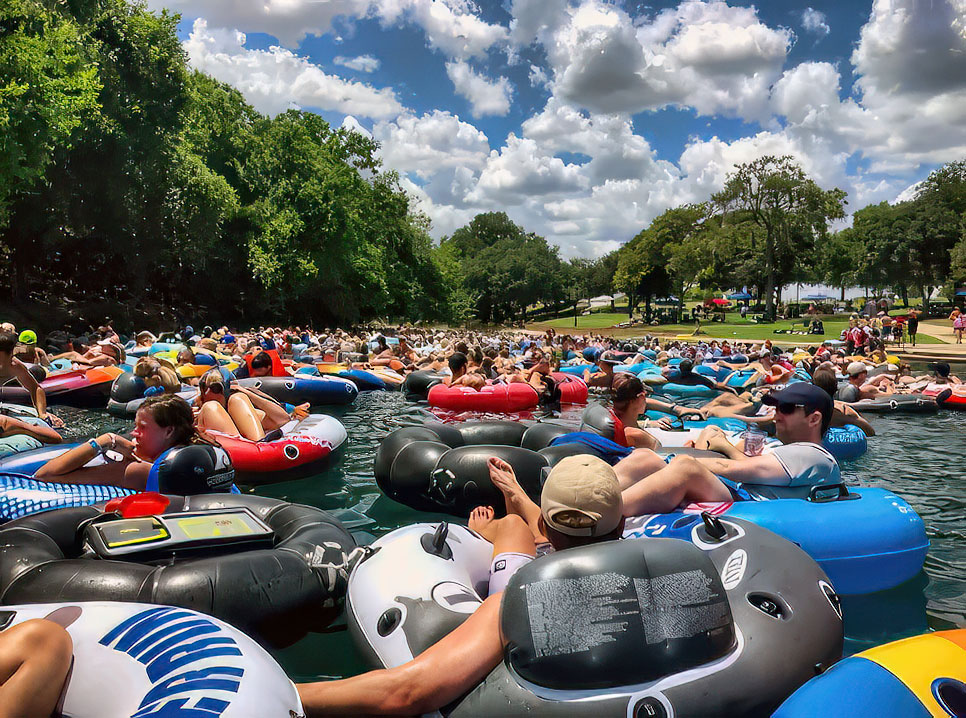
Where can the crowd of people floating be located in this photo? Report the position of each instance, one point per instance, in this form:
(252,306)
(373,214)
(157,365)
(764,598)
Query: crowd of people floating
(585,499)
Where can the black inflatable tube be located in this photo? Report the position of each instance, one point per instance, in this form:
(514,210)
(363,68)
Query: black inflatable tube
(442,467)
(276,595)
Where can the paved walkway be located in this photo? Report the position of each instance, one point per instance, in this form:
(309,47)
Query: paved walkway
(943,331)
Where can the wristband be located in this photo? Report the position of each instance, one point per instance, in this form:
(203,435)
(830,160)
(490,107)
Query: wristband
(95,446)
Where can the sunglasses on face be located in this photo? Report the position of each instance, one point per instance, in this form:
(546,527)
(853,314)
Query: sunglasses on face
(789,408)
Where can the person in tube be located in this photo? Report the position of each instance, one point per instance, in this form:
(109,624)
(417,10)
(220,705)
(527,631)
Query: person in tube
(580,504)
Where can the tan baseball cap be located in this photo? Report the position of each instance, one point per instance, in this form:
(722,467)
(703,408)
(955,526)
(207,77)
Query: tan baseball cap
(581,497)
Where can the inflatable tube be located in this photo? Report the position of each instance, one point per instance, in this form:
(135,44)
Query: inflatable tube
(300,450)
(186,470)
(376,379)
(897,404)
(443,467)
(302,388)
(599,419)
(21,495)
(845,442)
(417,385)
(916,677)
(742,378)
(578,369)
(691,628)
(127,394)
(498,397)
(135,659)
(273,569)
(947,396)
(870,539)
(81,388)
(673,389)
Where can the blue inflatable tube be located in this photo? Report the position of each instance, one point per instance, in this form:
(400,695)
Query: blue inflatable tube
(726,423)
(687,390)
(592,353)
(846,442)
(578,369)
(865,539)
(22,495)
(365,380)
(300,388)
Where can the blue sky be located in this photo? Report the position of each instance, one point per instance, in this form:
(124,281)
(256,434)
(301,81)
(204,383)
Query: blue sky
(585,119)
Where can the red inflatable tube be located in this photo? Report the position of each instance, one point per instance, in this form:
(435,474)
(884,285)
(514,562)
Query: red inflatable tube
(499,397)
(948,396)
(573,390)
(294,455)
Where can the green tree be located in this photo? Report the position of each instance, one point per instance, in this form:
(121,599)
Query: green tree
(48,90)
(791,211)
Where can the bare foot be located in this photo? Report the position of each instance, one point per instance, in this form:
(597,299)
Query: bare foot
(481,521)
(503,478)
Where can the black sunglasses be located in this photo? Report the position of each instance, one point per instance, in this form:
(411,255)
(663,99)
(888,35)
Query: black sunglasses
(790,408)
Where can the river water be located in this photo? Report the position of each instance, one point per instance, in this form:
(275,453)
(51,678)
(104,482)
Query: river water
(915,456)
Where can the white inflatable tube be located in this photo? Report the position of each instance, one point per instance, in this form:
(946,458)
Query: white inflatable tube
(133,659)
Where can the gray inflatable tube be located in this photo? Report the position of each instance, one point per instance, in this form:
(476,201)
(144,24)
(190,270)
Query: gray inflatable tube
(899,403)
(278,593)
(729,623)
(443,467)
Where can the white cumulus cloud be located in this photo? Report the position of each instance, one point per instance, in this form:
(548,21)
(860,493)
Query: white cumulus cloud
(362,63)
(452,26)
(814,21)
(430,143)
(276,79)
(485,97)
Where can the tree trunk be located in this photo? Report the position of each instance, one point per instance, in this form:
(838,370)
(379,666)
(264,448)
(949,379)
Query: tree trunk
(647,309)
(842,298)
(770,276)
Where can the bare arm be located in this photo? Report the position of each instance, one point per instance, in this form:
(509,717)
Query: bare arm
(27,381)
(764,469)
(10,426)
(439,675)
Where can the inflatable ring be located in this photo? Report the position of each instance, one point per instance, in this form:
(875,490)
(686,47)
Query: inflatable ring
(845,442)
(620,628)
(290,582)
(296,452)
(137,659)
(128,393)
(443,467)
(302,388)
(916,678)
(81,388)
(499,397)
(417,385)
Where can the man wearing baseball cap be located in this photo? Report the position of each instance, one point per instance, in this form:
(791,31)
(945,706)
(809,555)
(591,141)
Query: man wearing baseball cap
(580,504)
(802,415)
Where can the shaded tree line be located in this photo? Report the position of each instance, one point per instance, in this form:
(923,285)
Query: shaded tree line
(125,174)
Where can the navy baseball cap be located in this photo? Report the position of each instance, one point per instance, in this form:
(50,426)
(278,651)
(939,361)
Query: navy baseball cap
(808,395)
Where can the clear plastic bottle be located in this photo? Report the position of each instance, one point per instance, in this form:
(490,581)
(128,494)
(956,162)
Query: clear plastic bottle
(754,441)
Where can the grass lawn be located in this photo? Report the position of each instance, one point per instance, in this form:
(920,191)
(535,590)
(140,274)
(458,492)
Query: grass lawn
(734,328)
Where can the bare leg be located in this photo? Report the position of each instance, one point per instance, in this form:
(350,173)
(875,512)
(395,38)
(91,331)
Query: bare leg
(213,416)
(517,501)
(243,413)
(439,675)
(508,535)
(633,468)
(684,479)
(34,660)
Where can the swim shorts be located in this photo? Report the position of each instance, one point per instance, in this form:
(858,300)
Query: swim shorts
(502,568)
